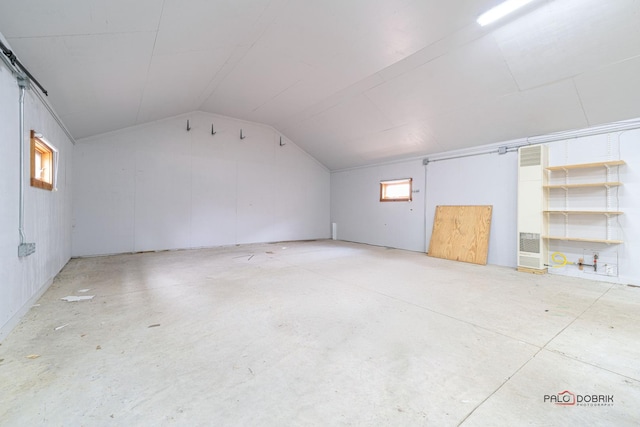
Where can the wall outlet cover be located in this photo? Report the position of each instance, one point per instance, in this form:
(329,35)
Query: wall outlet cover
(26,249)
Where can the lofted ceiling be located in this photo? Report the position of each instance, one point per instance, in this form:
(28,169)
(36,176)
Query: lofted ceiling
(353,82)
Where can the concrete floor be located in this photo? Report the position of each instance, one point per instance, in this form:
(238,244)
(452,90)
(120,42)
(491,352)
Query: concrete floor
(319,333)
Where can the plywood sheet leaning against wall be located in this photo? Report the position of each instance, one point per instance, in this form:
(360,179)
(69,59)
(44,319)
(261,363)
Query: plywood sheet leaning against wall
(461,233)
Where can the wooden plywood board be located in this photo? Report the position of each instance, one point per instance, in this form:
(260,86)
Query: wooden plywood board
(531,270)
(461,233)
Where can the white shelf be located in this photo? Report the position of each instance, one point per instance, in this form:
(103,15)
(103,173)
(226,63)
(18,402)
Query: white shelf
(607,164)
(608,213)
(582,239)
(584,212)
(587,185)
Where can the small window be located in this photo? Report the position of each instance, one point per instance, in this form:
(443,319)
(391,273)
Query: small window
(398,190)
(43,162)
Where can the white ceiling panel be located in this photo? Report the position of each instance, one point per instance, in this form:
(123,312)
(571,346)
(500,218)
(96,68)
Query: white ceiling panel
(87,122)
(308,31)
(291,101)
(403,141)
(534,112)
(354,117)
(175,81)
(87,78)
(611,93)
(244,90)
(404,31)
(32,18)
(352,82)
(328,102)
(561,39)
(201,25)
(475,71)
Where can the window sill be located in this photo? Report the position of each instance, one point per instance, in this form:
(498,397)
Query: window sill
(41,184)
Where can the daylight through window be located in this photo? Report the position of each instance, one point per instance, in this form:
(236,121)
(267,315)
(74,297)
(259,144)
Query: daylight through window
(43,163)
(397,190)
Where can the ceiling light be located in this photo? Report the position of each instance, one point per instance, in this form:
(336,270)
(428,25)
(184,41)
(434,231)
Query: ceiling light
(501,10)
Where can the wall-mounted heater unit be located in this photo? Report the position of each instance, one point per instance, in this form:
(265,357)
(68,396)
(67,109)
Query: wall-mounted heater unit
(532,224)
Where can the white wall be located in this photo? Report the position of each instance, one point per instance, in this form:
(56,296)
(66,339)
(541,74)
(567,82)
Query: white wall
(491,179)
(623,258)
(47,213)
(157,186)
(361,217)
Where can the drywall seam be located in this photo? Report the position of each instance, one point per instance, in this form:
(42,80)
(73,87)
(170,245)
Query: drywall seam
(512,144)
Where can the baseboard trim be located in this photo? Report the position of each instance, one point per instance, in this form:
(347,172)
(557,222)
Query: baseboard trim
(6,329)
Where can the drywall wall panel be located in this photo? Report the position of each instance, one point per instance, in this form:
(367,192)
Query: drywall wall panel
(479,180)
(213,201)
(163,199)
(491,179)
(361,217)
(255,203)
(111,169)
(167,188)
(47,220)
(617,262)
(303,216)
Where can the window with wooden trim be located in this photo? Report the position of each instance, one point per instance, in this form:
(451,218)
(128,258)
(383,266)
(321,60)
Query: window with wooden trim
(43,162)
(397,190)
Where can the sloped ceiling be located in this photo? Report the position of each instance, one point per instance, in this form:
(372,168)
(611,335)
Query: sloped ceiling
(353,82)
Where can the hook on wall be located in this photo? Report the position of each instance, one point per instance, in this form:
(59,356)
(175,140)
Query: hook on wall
(241,135)
(212,131)
(282,144)
(188,126)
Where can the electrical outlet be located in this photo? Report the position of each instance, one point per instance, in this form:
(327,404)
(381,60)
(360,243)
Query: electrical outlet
(610,270)
(26,249)
(603,263)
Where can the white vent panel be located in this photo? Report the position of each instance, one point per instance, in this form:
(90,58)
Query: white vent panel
(532,177)
(531,156)
(528,261)
(530,242)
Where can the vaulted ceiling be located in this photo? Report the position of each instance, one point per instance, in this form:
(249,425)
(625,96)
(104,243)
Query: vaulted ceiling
(353,82)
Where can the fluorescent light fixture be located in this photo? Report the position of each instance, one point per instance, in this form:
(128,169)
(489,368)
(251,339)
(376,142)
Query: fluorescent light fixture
(501,10)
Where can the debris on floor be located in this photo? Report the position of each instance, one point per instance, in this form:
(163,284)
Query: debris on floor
(60,327)
(33,356)
(83,290)
(98,347)
(35,305)
(155,325)
(75,298)
(243,256)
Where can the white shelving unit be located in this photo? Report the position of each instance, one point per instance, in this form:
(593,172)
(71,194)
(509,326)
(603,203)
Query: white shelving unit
(608,213)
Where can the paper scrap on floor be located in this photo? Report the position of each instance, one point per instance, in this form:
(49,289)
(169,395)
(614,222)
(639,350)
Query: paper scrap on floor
(74,298)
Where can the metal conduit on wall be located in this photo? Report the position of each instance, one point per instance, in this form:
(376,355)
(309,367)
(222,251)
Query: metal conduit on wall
(503,148)
(25,81)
